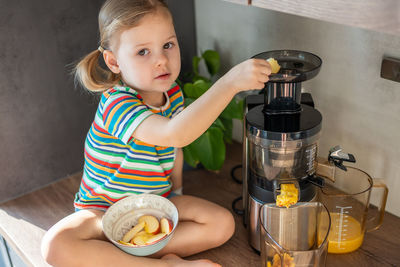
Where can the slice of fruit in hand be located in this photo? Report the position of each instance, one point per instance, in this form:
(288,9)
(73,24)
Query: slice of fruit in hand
(275,67)
(155,238)
(152,226)
(166,225)
(136,229)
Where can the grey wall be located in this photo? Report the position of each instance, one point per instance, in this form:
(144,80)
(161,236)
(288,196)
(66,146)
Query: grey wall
(360,110)
(43,117)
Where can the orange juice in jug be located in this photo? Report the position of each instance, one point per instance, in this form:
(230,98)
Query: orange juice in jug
(345,234)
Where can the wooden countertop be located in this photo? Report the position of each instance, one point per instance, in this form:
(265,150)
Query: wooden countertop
(23,221)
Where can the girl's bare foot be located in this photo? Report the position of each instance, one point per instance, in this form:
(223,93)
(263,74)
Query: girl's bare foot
(174,260)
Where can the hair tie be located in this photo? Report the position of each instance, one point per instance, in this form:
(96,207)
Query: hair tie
(101,49)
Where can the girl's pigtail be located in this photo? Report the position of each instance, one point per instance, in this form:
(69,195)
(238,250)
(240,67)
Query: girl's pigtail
(91,75)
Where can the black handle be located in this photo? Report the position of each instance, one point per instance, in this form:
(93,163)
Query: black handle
(337,156)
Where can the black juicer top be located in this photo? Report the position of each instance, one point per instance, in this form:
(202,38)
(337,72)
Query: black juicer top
(296,126)
(282,116)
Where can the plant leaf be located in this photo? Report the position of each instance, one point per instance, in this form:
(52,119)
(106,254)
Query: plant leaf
(188,90)
(199,77)
(234,110)
(190,157)
(210,148)
(228,125)
(218,123)
(196,89)
(201,87)
(195,64)
(212,60)
(188,101)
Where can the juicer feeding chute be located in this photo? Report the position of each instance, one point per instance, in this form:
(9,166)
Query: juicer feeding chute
(296,66)
(283,91)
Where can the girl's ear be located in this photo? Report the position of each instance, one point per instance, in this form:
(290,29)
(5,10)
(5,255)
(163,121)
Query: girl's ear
(111,61)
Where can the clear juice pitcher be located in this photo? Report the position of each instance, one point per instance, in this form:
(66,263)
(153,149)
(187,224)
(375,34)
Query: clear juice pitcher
(295,236)
(347,199)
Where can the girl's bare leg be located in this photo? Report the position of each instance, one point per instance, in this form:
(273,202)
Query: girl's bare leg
(78,240)
(202,225)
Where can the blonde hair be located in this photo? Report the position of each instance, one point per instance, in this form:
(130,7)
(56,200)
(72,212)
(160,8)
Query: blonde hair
(115,16)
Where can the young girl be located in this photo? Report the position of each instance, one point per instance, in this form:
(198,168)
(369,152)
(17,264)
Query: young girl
(133,145)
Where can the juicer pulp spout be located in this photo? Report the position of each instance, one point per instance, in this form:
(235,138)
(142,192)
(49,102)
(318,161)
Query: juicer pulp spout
(286,193)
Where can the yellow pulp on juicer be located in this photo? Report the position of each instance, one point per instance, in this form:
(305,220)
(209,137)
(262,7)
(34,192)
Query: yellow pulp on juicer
(275,67)
(288,197)
(276,261)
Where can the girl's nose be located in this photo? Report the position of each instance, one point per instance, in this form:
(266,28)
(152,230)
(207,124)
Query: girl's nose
(161,59)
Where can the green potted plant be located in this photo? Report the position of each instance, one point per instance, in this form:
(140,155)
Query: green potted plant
(209,149)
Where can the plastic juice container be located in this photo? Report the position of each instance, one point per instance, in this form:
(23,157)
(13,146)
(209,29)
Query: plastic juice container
(347,199)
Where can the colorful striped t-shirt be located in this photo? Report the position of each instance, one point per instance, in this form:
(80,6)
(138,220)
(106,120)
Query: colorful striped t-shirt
(118,165)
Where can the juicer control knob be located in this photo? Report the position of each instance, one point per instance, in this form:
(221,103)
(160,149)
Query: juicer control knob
(337,156)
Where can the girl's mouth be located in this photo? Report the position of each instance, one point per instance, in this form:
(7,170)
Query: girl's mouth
(164,76)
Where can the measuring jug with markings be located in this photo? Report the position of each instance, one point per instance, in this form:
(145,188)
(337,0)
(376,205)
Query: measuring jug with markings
(347,199)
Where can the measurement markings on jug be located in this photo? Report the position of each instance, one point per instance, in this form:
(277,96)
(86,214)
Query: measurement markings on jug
(342,227)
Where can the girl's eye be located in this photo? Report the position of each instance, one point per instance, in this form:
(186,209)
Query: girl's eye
(168,45)
(143,52)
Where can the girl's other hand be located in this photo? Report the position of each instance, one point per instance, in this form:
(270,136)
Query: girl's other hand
(248,75)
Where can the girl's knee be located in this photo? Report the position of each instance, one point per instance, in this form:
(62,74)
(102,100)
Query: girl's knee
(52,246)
(229,223)
(61,239)
(225,224)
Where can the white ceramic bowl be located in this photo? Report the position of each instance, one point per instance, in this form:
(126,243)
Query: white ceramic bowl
(121,216)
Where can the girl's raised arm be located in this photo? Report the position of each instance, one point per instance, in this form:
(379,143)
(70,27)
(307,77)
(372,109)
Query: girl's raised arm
(193,121)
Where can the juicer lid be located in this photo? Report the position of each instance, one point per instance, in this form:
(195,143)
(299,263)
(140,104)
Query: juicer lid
(289,127)
(296,66)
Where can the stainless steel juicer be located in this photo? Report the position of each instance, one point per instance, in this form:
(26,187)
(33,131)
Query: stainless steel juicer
(281,133)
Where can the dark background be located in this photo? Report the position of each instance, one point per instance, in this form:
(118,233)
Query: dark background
(44,117)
